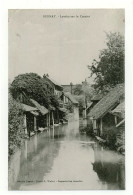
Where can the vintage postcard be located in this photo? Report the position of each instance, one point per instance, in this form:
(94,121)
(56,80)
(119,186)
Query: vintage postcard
(66,108)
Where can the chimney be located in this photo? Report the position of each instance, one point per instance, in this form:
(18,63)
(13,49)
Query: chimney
(71,87)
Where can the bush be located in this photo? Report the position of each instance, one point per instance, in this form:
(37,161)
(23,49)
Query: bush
(88,130)
(111,136)
(15,126)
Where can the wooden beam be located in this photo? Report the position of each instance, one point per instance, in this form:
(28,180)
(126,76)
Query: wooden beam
(25,124)
(49,118)
(115,120)
(94,124)
(53,117)
(58,116)
(120,123)
(101,126)
(35,124)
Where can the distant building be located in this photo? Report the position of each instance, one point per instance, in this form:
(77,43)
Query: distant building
(69,102)
(58,88)
(68,88)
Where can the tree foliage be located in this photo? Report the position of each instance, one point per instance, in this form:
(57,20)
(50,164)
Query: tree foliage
(83,89)
(109,69)
(78,90)
(35,87)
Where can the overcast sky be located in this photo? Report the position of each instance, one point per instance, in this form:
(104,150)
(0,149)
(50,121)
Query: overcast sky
(61,47)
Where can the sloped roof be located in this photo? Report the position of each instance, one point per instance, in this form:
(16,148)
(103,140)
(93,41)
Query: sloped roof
(27,108)
(35,113)
(89,105)
(54,82)
(119,110)
(107,102)
(97,97)
(70,97)
(42,109)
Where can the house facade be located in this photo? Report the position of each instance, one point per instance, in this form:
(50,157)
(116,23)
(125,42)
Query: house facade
(69,102)
(57,88)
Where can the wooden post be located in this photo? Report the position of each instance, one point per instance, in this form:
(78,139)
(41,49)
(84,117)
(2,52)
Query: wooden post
(85,113)
(25,150)
(101,126)
(63,100)
(58,116)
(53,117)
(94,124)
(35,123)
(25,124)
(49,118)
(115,120)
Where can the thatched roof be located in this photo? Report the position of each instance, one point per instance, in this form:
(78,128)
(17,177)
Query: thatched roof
(107,102)
(70,97)
(42,109)
(27,108)
(119,110)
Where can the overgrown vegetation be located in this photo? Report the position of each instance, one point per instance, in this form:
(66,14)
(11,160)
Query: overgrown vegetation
(15,126)
(110,135)
(35,87)
(88,129)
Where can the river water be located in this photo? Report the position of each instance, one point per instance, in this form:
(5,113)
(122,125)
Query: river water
(63,159)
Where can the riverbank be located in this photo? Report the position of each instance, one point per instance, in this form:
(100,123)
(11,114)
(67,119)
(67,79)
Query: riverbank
(112,139)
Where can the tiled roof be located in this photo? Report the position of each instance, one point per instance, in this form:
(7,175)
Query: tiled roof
(119,110)
(107,102)
(70,97)
(97,97)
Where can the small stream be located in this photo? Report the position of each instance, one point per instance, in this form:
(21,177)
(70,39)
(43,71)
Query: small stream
(63,159)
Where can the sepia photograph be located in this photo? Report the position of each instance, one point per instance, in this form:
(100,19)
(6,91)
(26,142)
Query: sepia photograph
(66,99)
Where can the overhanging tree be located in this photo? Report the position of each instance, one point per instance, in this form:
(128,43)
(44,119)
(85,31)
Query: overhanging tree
(109,69)
(35,87)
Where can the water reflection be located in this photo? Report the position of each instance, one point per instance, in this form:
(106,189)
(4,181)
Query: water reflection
(69,160)
(109,167)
